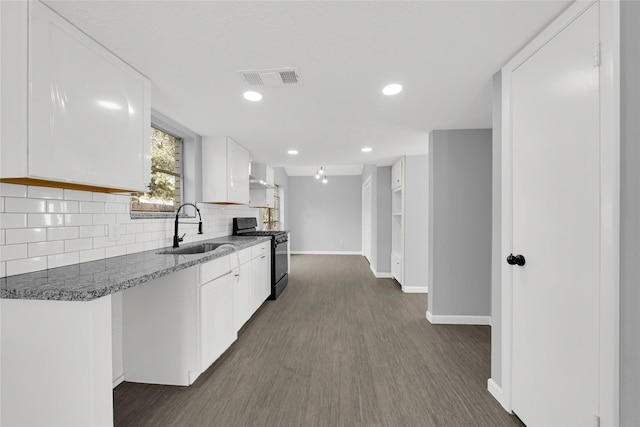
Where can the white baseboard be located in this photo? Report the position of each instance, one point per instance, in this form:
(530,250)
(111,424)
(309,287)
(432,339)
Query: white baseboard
(415,289)
(458,320)
(496,392)
(380,275)
(118,381)
(325,253)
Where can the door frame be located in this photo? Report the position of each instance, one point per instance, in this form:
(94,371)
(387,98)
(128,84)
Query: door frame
(367,182)
(609,342)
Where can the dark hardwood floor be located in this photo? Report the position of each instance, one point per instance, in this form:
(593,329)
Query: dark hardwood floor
(338,348)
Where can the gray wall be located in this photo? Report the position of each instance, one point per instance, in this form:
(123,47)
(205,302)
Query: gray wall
(496,234)
(630,216)
(325,217)
(383,220)
(460,222)
(416,223)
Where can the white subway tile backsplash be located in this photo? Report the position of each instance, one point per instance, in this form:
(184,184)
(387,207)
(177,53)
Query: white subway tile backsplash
(62,233)
(25,235)
(104,219)
(78,195)
(123,198)
(39,232)
(35,192)
(134,228)
(115,251)
(92,230)
(126,239)
(12,190)
(102,242)
(92,207)
(62,206)
(134,248)
(23,205)
(152,246)
(92,255)
(26,265)
(116,208)
(78,219)
(104,197)
(61,260)
(45,248)
(11,252)
(45,220)
(13,220)
(75,245)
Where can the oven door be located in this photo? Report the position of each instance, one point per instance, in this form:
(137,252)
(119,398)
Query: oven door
(281,260)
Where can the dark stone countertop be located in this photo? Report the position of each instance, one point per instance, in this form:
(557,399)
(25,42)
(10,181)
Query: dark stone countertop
(91,280)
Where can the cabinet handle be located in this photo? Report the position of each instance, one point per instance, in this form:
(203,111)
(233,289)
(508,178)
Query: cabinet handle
(263,256)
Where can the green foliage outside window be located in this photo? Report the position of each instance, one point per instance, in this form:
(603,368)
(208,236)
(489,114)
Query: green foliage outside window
(165,175)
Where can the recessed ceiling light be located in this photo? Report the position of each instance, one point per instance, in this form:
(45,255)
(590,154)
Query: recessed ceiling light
(293,152)
(252,96)
(392,89)
(367,149)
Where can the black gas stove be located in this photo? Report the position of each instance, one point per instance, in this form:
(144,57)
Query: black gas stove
(279,251)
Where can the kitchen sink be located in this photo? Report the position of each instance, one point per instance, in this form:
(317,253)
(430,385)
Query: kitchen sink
(192,249)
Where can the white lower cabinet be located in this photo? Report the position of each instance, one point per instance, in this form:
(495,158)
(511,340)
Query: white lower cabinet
(217,331)
(260,275)
(176,326)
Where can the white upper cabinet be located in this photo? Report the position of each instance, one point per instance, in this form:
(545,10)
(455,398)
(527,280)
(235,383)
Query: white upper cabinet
(73,113)
(225,171)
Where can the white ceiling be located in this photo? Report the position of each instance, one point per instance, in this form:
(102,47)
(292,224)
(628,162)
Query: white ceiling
(444,53)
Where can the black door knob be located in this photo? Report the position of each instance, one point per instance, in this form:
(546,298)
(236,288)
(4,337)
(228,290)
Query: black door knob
(515,260)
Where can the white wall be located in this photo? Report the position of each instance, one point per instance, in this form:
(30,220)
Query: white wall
(460,224)
(383,219)
(325,217)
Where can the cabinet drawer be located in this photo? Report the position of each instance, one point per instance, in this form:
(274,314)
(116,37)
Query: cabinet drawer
(214,269)
(261,249)
(244,256)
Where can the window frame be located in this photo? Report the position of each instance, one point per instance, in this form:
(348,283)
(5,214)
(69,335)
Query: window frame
(191,187)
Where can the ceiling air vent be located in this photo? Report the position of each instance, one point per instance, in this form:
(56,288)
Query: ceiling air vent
(272,77)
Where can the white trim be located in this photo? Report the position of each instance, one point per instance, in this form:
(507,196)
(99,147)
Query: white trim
(367,182)
(118,381)
(609,344)
(415,289)
(380,275)
(496,392)
(437,319)
(326,253)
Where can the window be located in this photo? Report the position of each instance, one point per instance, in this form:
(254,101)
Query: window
(166,175)
(270,215)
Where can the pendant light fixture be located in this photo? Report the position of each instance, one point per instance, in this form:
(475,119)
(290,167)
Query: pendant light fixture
(321,173)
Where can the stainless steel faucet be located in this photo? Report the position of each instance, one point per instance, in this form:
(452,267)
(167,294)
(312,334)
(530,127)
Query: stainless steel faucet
(176,239)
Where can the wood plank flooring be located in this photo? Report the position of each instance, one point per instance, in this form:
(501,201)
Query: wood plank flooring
(338,348)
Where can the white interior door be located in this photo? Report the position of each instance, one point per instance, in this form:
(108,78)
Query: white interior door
(366,220)
(556,220)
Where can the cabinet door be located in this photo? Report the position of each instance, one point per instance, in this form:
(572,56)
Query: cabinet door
(242,296)
(89,112)
(260,280)
(238,167)
(217,331)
